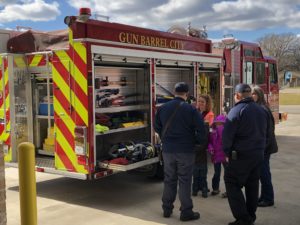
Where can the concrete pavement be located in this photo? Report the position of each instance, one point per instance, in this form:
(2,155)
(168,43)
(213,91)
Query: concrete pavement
(129,198)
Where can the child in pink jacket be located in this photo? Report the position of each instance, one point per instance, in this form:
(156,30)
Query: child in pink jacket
(217,154)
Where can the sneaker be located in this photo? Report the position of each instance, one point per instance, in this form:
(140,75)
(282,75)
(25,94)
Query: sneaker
(167,213)
(215,192)
(194,193)
(265,204)
(193,216)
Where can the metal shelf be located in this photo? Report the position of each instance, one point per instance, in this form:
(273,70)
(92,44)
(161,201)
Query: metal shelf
(43,83)
(21,115)
(42,76)
(129,166)
(115,109)
(120,130)
(44,117)
(44,152)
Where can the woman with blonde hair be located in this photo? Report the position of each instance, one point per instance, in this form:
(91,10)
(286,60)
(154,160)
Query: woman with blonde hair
(204,105)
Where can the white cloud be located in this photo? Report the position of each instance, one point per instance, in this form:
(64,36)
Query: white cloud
(216,14)
(33,10)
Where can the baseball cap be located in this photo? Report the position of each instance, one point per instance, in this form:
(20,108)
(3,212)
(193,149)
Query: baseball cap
(181,87)
(242,88)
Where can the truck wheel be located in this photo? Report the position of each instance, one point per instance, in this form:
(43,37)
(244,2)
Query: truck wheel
(156,171)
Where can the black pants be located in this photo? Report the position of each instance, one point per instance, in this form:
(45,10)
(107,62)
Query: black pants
(200,178)
(178,168)
(267,192)
(217,175)
(243,172)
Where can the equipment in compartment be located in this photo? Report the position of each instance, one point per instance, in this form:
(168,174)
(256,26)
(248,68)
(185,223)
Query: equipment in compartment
(208,83)
(105,82)
(132,152)
(48,144)
(105,122)
(163,98)
(111,97)
(43,109)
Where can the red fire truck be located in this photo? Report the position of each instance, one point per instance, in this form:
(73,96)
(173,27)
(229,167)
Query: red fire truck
(244,62)
(86,97)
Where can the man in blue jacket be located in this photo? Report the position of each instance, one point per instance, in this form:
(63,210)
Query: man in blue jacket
(244,141)
(179,126)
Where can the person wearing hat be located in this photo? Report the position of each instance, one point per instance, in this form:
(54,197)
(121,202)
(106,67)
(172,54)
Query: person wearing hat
(244,142)
(179,126)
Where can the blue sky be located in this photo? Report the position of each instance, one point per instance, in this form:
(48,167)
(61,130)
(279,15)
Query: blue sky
(245,19)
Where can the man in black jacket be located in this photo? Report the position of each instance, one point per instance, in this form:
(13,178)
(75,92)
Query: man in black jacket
(179,126)
(244,142)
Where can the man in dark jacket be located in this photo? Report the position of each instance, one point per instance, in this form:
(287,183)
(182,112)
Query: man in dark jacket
(244,142)
(179,126)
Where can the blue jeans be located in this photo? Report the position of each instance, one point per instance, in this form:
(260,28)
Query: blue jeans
(217,175)
(267,192)
(178,168)
(200,178)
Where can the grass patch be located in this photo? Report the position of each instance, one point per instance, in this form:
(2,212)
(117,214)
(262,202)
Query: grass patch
(289,99)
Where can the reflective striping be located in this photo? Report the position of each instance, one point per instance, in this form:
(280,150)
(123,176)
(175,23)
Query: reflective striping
(81,110)
(19,61)
(60,82)
(69,152)
(80,49)
(70,36)
(5,135)
(79,78)
(63,115)
(36,60)
(70,103)
(59,163)
(80,64)
(64,162)
(64,129)
(79,102)
(5,114)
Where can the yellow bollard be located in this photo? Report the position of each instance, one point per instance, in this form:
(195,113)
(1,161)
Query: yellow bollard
(26,158)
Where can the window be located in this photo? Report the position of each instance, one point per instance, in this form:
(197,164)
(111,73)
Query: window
(260,73)
(273,73)
(248,52)
(248,72)
(258,54)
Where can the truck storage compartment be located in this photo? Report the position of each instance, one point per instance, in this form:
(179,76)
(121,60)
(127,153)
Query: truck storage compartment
(43,109)
(122,115)
(167,77)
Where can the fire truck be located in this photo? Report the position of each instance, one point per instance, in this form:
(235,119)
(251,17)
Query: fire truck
(244,62)
(86,96)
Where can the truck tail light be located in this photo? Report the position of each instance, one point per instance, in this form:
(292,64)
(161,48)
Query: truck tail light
(81,140)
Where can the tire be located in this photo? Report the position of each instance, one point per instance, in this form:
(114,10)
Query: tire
(156,171)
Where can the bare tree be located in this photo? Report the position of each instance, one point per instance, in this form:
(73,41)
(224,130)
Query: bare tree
(282,47)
